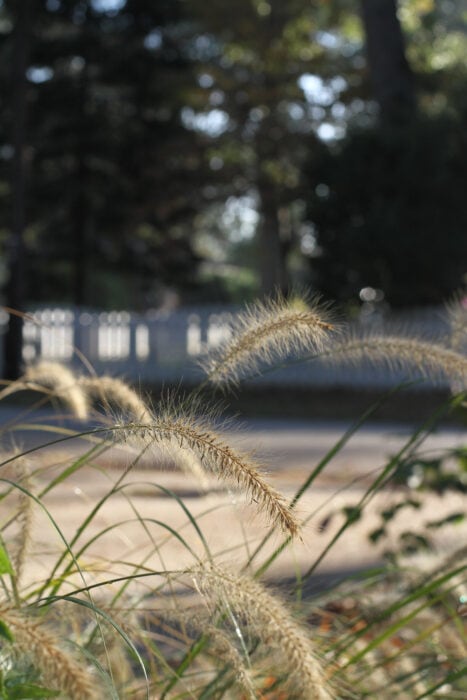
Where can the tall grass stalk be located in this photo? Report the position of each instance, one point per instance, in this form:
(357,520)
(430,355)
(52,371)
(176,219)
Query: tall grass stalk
(168,614)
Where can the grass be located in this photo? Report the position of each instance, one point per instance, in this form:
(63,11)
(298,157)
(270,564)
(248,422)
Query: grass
(145,604)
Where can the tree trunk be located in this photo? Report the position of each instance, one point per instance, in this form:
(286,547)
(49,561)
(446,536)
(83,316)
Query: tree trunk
(80,237)
(81,212)
(271,251)
(390,72)
(15,287)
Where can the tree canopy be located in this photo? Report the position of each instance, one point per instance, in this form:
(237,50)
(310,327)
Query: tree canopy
(386,202)
(130,131)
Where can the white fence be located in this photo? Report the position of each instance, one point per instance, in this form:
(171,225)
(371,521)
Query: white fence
(163,347)
(153,347)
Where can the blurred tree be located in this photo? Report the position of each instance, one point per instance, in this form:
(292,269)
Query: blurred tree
(147,119)
(256,53)
(16,89)
(390,213)
(385,203)
(390,72)
(115,175)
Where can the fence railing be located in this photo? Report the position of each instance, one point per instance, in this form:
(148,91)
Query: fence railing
(160,346)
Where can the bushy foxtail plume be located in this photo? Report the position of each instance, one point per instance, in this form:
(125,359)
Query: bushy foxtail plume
(115,393)
(187,462)
(195,434)
(457,317)
(267,332)
(58,668)
(222,646)
(25,522)
(420,358)
(53,379)
(195,621)
(272,623)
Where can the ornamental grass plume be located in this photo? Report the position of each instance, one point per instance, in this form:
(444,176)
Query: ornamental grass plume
(186,461)
(271,622)
(175,430)
(47,652)
(55,380)
(114,392)
(221,645)
(421,358)
(268,332)
(25,521)
(195,621)
(457,318)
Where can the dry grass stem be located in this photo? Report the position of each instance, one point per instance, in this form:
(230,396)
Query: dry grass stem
(187,432)
(59,669)
(272,623)
(421,358)
(25,522)
(399,633)
(265,333)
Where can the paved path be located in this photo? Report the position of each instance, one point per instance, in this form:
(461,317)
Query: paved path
(284,445)
(289,449)
(292,446)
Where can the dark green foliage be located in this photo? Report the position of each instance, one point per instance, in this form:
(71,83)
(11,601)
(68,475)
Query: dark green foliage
(389,514)
(110,165)
(437,474)
(440,475)
(18,684)
(122,170)
(5,563)
(390,211)
(5,632)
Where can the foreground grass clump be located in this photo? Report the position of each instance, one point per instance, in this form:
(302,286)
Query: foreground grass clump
(138,600)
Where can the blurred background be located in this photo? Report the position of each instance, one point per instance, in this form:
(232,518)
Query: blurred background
(161,157)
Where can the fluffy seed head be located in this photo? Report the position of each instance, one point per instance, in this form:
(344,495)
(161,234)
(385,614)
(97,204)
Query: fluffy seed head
(271,621)
(267,332)
(114,392)
(186,461)
(457,317)
(187,432)
(222,646)
(56,380)
(58,668)
(25,520)
(419,357)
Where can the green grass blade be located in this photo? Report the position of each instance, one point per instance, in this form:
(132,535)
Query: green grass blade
(189,657)
(105,616)
(73,468)
(428,589)
(93,513)
(315,473)
(448,679)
